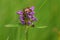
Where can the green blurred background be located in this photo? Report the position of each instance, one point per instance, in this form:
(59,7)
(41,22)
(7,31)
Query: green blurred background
(46,11)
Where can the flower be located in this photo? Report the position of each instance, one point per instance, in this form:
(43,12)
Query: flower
(21,18)
(32,8)
(33,18)
(20,12)
(27,15)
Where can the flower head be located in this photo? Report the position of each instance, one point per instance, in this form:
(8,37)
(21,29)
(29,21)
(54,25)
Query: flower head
(27,15)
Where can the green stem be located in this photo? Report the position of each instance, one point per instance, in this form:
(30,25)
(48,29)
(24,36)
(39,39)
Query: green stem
(26,32)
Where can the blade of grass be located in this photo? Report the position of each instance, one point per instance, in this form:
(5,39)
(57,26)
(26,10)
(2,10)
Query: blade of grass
(43,4)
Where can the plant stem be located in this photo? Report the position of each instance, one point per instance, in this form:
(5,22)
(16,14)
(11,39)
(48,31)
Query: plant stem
(26,32)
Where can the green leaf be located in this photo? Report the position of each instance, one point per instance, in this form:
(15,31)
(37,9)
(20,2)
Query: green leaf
(12,25)
(42,27)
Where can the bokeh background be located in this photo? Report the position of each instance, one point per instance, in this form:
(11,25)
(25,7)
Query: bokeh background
(46,11)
